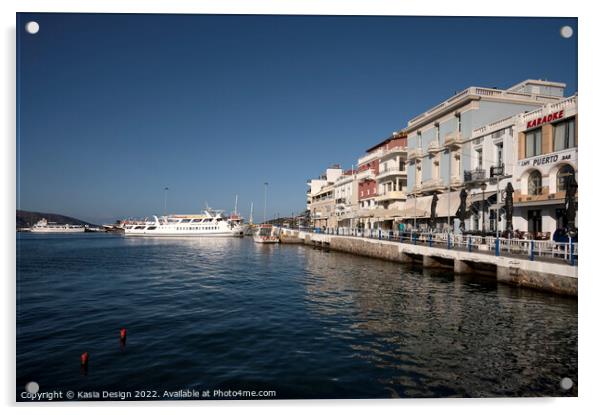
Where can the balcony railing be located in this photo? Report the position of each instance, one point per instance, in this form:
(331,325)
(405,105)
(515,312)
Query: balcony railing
(394,150)
(370,156)
(391,171)
(478,92)
(392,195)
(474,175)
(495,171)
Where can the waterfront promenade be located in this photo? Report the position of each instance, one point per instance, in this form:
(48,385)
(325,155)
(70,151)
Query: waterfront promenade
(543,265)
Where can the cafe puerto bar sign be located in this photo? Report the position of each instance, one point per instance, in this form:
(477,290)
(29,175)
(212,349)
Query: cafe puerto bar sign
(545,119)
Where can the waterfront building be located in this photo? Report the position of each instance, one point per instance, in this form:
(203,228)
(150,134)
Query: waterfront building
(547,155)
(534,155)
(440,149)
(382,182)
(492,148)
(346,199)
(367,170)
(321,200)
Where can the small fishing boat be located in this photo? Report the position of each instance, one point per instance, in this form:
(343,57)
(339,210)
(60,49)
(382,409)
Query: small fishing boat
(266,234)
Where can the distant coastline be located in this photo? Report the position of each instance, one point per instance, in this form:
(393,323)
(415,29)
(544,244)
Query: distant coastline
(27,219)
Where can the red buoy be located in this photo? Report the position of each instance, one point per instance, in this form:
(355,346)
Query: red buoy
(84,359)
(122,334)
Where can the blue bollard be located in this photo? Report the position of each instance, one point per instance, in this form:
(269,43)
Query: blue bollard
(572,252)
(532,253)
(448,241)
(497,246)
(379,234)
(414,237)
(469,244)
(430,240)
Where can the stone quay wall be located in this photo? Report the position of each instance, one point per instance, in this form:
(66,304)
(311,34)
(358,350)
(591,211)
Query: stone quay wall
(547,276)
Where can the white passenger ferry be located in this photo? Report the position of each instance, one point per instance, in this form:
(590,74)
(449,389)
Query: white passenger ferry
(43,226)
(210,223)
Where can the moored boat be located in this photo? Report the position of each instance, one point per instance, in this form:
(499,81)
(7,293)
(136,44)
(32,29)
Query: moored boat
(43,226)
(209,224)
(266,234)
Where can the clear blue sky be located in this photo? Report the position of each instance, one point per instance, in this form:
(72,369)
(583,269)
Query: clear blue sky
(113,108)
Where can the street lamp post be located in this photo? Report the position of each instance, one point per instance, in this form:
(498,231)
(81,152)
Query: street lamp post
(415,212)
(449,191)
(483,187)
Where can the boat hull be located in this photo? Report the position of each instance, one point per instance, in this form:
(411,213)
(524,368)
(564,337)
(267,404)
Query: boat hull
(265,240)
(69,230)
(190,234)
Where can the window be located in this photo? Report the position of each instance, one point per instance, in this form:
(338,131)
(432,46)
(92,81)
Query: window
(480,158)
(562,177)
(564,135)
(499,150)
(533,143)
(534,185)
(459,117)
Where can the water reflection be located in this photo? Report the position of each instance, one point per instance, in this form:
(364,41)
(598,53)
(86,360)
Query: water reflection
(437,334)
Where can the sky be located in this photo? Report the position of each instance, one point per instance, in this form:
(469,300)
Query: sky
(113,108)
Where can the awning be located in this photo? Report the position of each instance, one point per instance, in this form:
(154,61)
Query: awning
(535,203)
(365,213)
(382,213)
(417,208)
(478,196)
(450,202)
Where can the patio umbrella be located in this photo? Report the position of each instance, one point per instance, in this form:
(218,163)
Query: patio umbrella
(433,210)
(570,204)
(461,214)
(508,206)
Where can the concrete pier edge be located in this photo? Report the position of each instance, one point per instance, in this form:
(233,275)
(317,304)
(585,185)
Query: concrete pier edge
(551,277)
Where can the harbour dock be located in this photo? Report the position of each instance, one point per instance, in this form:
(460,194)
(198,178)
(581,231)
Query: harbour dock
(527,265)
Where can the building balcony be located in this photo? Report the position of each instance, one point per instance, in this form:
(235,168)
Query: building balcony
(433,184)
(434,147)
(453,139)
(477,175)
(367,174)
(397,150)
(392,195)
(415,153)
(455,181)
(390,172)
(369,157)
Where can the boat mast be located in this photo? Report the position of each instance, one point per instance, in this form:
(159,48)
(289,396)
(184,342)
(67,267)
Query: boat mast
(251,214)
(265,200)
(236,205)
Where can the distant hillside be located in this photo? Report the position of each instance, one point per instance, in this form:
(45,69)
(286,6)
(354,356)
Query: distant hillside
(26,219)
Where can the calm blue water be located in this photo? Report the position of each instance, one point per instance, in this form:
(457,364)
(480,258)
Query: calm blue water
(229,314)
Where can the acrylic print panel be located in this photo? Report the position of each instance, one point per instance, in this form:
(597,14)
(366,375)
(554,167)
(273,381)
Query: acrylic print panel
(271,207)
